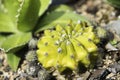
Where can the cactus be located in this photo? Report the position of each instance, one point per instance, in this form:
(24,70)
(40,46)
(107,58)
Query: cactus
(64,47)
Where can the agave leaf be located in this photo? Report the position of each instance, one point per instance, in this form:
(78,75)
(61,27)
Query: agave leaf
(44,4)
(60,8)
(17,17)
(15,40)
(11,7)
(13,60)
(115,3)
(2,38)
(6,24)
(58,17)
(28,15)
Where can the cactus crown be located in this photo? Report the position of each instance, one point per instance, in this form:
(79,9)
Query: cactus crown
(66,46)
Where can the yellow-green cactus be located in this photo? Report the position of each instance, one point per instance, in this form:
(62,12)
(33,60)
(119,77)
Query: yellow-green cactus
(66,46)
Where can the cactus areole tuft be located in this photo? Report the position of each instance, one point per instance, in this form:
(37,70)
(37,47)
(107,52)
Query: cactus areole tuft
(66,46)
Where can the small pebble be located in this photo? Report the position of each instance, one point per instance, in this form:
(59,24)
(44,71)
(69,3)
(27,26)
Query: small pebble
(1,72)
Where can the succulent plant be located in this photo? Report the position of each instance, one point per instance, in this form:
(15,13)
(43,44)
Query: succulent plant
(31,56)
(66,46)
(26,18)
(115,3)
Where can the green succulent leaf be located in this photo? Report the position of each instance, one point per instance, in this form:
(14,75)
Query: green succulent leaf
(115,3)
(58,17)
(2,38)
(14,40)
(17,21)
(44,4)
(12,43)
(28,15)
(7,16)
(11,7)
(6,24)
(60,8)
(13,60)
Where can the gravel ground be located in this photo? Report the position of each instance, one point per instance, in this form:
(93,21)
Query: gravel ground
(97,10)
(107,68)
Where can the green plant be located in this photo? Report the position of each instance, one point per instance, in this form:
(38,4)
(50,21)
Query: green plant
(20,19)
(67,46)
(115,3)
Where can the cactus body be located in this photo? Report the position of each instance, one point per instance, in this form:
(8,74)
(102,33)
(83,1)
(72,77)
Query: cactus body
(66,46)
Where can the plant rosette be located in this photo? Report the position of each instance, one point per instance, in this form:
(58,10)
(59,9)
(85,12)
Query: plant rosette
(25,18)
